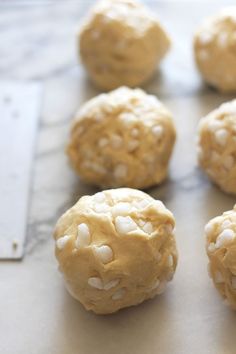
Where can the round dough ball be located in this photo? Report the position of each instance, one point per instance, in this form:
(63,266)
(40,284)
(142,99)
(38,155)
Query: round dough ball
(116,249)
(221,250)
(217,146)
(123,138)
(215,50)
(121,43)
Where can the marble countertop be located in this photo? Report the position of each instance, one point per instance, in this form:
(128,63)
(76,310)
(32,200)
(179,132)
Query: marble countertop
(37,316)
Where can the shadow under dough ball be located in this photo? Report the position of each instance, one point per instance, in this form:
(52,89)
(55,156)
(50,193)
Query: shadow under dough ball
(221,250)
(121,43)
(215,50)
(122,139)
(217,146)
(116,249)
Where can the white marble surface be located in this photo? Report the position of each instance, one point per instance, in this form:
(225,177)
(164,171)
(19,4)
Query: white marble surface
(37,316)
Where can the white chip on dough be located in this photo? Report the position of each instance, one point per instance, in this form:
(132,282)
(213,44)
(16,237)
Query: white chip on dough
(225,237)
(125,224)
(62,241)
(83,236)
(104,253)
(95,282)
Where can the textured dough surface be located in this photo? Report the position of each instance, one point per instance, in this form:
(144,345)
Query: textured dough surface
(217,146)
(116,249)
(215,50)
(221,250)
(121,43)
(123,138)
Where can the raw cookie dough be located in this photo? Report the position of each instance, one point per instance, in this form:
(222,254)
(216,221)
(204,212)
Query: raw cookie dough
(217,146)
(121,43)
(221,250)
(123,138)
(215,50)
(116,249)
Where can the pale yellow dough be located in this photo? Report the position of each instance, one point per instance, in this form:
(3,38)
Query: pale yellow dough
(217,146)
(221,250)
(215,50)
(124,138)
(116,249)
(121,43)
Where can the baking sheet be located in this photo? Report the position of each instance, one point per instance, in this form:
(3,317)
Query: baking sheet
(37,316)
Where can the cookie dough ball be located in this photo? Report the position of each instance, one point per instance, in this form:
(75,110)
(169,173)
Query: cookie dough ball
(215,50)
(116,249)
(123,138)
(121,43)
(221,250)
(217,146)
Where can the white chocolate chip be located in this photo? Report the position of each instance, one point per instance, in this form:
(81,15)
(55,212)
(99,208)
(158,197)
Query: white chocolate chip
(224,238)
(170,276)
(221,136)
(118,294)
(168,228)
(141,222)
(121,208)
(101,208)
(218,277)
(155,285)
(99,197)
(233,281)
(103,142)
(125,224)
(147,227)
(104,253)
(214,125)
(141,204)
(62,241)
(161,288)
(170,261)
(226,224)
(83,236)
(116,141)
(211,247)
(158,130)
(228,108)
(222,39)
(209,228)
(205,38)
(95,282)
(200,152)
(111,284)
(127,118)
(120,171)
(94,166)
(158,204)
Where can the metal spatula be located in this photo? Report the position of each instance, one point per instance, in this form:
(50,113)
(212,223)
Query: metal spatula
(19,113)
